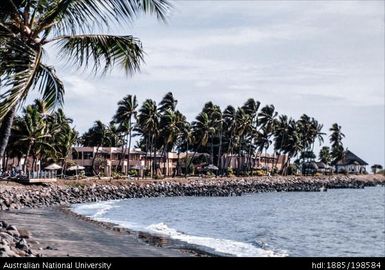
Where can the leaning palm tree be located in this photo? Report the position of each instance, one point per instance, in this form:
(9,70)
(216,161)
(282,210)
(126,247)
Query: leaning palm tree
(123,117)
(27,27)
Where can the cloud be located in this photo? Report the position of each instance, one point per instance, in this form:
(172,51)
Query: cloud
(317,57)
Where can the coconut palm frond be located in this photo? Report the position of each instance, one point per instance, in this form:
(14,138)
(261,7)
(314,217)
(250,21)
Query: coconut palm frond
(19,63)
(102,51)
(50,86)
(67,16)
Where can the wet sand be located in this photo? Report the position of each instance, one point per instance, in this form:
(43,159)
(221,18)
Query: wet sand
(55,233)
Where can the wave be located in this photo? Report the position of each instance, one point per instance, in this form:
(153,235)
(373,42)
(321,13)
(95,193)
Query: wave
(225,246)
(94,210)
(98,210)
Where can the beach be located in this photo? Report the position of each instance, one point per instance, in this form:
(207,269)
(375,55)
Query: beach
(56,233)
(41,215)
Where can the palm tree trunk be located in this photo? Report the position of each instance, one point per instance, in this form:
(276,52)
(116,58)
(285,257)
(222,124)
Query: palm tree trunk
(177,166)
(164,159)
(230,152)
(219,164)
(93,161)
(129,146)
(284,170)
(27,155)
(153,161)
(5,131)
(212,150)
(34,163)
(249,160)
(122,156)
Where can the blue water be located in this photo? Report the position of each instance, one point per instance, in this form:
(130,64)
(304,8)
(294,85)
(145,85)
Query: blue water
(340,222)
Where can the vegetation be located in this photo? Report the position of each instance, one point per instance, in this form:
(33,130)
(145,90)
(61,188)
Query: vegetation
(324,155)
(27,27)
(336,137)
(233,134)
(44,136)
(376,167)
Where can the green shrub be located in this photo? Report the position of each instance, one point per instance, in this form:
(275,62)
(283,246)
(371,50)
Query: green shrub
(133,173)
(260,172)
(229,171)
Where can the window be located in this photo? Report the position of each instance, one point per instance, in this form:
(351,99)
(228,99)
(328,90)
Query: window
(88,155)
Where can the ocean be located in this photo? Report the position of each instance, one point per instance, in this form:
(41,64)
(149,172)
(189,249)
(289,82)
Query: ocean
(339,222)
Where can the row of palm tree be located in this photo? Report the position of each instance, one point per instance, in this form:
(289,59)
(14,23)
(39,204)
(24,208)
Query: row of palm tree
(27,27)
(241,133)
(41,135)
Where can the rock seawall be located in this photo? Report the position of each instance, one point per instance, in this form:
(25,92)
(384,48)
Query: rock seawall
(15,197)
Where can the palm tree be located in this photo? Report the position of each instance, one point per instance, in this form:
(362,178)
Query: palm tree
(184,140)
(251,108)
(215,119)
(32,130)
(336,142)
(168,103)
(148,126)
(123,117)
(243,127)
(97,136)
(169,131)
(27,27)
(229,125)
(202,131)
(324,155)
(292,143)
(169,126)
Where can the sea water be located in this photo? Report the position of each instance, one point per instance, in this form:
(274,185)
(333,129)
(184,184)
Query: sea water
(339,222)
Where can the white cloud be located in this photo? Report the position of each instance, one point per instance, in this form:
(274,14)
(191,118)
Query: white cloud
(324,58)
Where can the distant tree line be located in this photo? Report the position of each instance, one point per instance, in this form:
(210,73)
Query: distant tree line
(234,132)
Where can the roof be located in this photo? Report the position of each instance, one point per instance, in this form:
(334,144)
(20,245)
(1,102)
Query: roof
(349,158)
(320,165)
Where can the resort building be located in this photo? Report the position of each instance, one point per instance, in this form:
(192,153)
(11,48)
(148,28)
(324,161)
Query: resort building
(109,159)
(350,163)
(261,161)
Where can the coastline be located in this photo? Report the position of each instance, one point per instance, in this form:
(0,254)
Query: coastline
(59,232)
(41,212)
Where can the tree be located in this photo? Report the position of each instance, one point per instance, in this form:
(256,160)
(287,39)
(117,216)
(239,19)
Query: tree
(124,115)
(215,119)
(324,155)
(376,167)
(99,135)
(148,127)
(32,131)
(228,133)
(336,137)
(27,27)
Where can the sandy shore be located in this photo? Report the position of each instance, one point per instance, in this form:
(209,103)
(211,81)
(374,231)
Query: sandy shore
(55,233)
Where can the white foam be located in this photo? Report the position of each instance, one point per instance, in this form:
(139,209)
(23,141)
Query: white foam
(224,246)
(94,210)
(235,248)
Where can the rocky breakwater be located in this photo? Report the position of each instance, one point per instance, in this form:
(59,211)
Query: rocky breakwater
(17,196)
(13,242)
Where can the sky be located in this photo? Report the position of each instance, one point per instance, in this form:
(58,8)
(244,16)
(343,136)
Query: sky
(322,58)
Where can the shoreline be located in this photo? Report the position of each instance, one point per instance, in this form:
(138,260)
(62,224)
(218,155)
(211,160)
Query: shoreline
(48,205)
(59,232)
(66,192)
